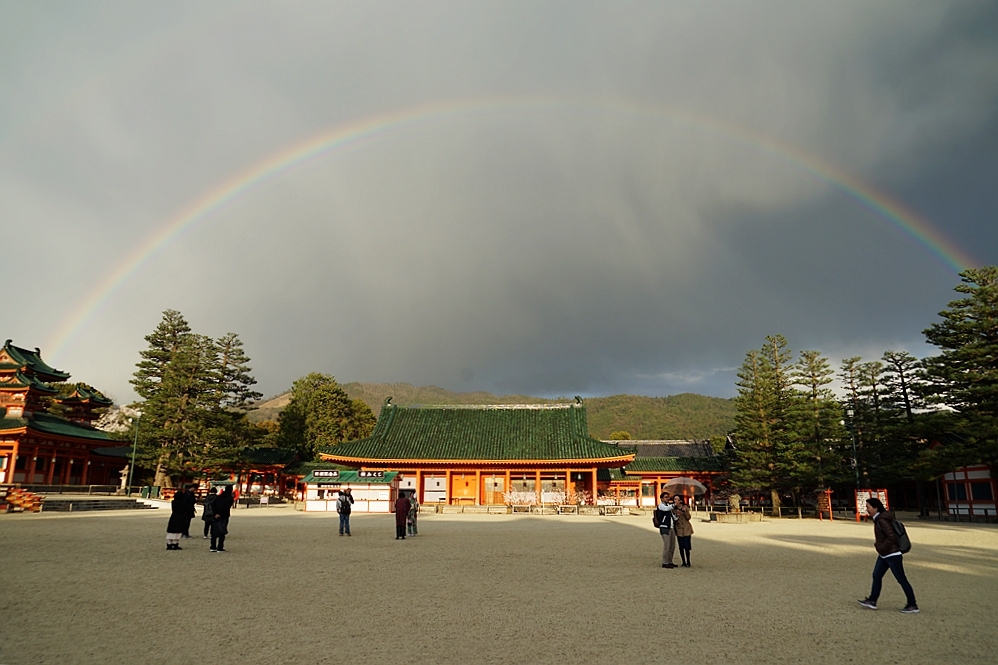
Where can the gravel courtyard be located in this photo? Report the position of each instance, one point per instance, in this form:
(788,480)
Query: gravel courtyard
(101,588)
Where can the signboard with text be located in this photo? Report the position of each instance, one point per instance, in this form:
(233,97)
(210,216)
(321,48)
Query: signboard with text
(370,474)
(326,473)
(863,495)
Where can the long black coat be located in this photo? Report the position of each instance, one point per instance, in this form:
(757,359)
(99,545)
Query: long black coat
(179,519)
(222,505)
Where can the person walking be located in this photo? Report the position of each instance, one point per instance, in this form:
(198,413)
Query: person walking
(402,506)
(208,515)
(663,518)
(413,513)
(221,507)
(343,507)
(683,528)
(178,518)
(890,557)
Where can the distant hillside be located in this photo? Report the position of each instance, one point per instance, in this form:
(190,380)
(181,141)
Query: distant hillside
(684,416)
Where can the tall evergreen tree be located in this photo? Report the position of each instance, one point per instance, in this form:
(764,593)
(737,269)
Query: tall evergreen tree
(902,380)
(851,377)
(192,387)
(769,450)
(821,420)
(234,380)
(964,376)
(164,343)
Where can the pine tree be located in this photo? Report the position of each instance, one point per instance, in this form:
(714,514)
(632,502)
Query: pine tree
(233,374)
(768,450)
(964,376)
(191,387)
(821,419)
(902,381)
(850,376)
(164,343)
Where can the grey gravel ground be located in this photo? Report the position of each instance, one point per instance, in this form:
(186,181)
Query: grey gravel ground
(101,588)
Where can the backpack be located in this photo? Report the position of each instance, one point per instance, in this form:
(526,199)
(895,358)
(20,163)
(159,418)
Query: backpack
(904,542)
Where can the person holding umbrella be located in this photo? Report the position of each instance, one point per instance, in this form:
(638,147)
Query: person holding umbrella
(683,528)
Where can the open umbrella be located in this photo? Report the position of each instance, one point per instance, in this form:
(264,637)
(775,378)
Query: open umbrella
(685,486)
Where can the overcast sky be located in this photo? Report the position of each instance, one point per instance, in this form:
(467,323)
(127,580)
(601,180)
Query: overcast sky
(620,198)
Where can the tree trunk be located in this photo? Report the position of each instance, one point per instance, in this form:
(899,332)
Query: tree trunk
(160,479)
(776,502)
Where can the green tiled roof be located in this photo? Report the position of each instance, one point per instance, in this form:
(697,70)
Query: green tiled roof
(7,424)
(351,477)
(482,433)
(83,393)
(21,380)
(33,359)
(49,424)
(604,475)
(674,464)
(278,456)
(46,423)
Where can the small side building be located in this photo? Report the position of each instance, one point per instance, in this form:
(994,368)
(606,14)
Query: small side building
(373,491)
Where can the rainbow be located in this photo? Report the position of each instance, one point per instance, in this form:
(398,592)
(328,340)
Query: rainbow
(354,133)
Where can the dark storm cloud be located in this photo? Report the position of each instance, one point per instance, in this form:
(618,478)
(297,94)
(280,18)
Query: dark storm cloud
(585,246)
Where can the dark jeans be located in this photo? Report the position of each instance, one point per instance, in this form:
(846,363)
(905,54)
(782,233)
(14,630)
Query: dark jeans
(345,523)
(897,567)
(400,531)
(207,528)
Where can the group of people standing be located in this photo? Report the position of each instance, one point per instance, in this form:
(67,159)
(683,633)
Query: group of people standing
(406,513)
(672,517)
(217,508)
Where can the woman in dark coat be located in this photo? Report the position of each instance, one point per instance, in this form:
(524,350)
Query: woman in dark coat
(221,506)
(890,558)
(402,506)
(178,520)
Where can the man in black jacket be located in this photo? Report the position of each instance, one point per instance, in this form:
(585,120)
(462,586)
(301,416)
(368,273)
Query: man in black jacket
(663,517)
(222,505)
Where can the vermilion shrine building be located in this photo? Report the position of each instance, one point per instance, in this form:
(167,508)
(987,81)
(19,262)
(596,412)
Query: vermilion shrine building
(502,454)
(37,447)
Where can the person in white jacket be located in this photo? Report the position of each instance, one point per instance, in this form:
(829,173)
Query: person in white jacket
(663,517)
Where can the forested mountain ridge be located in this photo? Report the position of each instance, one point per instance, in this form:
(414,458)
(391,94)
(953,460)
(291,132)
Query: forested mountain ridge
(683,416)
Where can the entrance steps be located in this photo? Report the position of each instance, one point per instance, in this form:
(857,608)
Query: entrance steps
(73,505)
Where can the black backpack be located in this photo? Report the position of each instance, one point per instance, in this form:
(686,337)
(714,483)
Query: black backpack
(904,542)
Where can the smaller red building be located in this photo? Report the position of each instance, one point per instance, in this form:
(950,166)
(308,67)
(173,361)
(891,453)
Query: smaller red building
(970,492)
